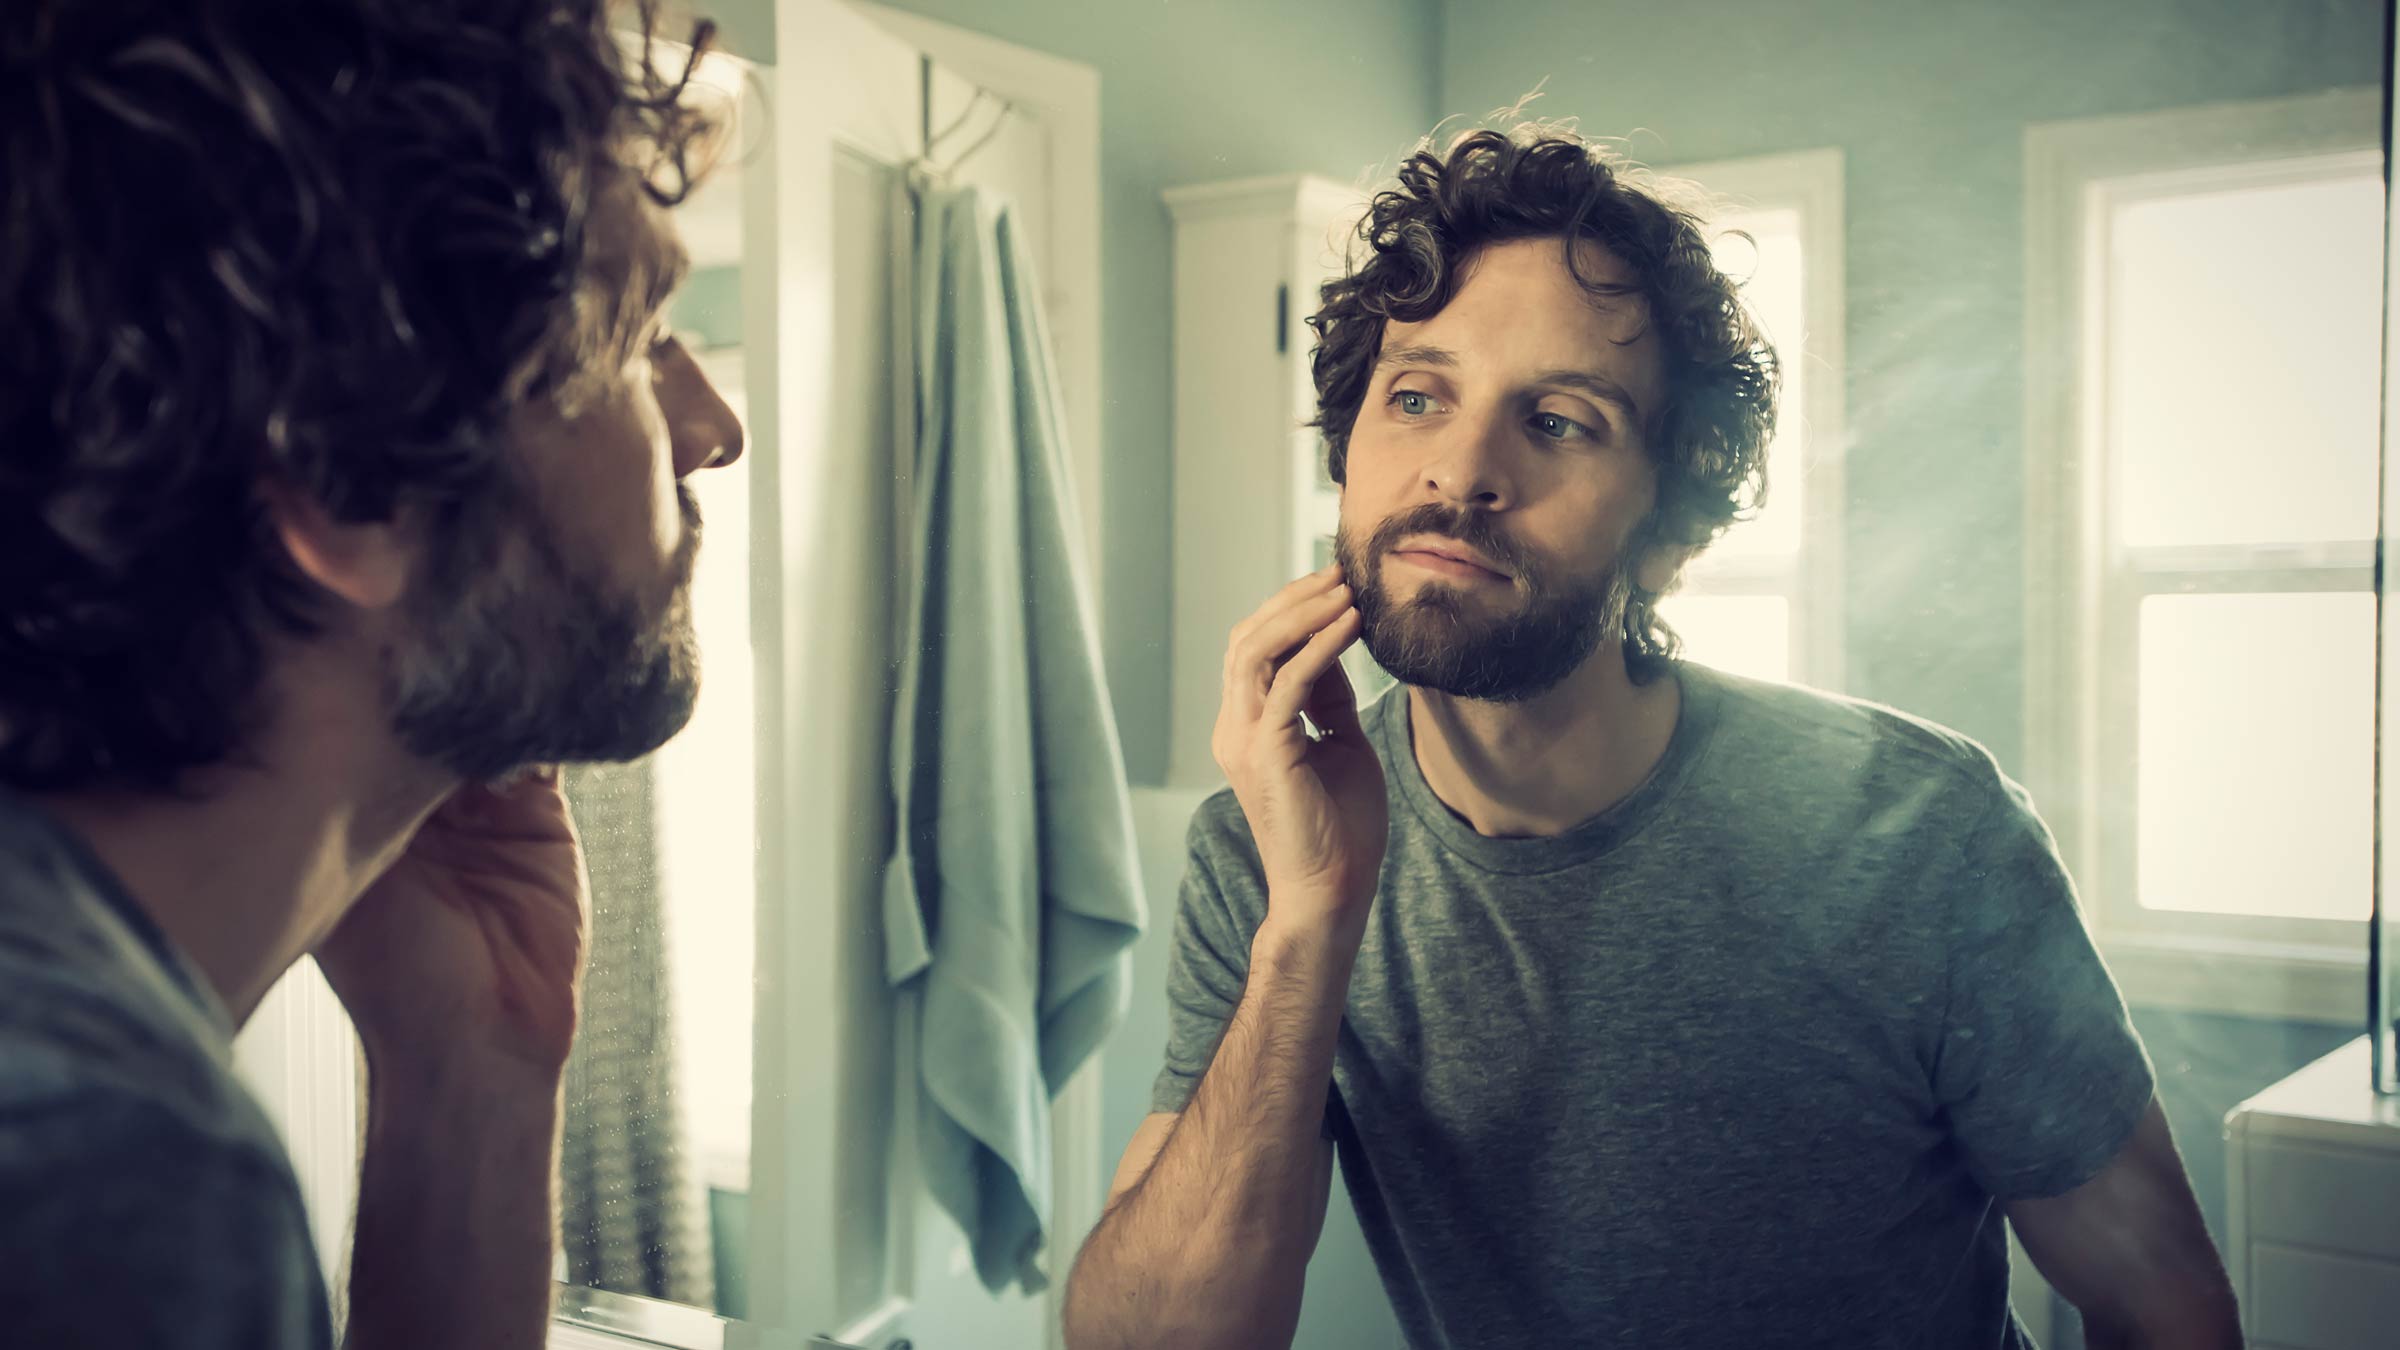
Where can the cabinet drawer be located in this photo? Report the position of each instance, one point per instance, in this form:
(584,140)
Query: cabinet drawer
(2313,1300)
(2339,1199)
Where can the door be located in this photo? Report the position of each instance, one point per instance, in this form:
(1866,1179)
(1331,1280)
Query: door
(842,1235)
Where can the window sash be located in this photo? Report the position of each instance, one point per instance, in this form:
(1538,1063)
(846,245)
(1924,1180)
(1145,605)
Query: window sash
(2114,889)
(2083,590)
(1778,577)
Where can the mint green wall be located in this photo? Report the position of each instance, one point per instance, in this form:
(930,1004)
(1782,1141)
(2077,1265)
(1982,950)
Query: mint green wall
(1191,93)
(1928,99)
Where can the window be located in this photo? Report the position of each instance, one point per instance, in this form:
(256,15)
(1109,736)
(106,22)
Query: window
(1765,600)
(2204,340)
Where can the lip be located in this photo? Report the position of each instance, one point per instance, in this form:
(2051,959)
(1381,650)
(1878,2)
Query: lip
(1448,564)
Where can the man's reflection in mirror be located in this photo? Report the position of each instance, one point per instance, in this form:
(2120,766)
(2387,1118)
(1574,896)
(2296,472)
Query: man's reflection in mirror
(1660,1007)
(341,498)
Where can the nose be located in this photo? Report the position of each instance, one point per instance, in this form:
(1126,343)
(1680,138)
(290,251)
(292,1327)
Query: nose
(1471,465)
(706,432)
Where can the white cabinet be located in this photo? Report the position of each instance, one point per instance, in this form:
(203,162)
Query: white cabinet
(1252,508)
(2312,1179)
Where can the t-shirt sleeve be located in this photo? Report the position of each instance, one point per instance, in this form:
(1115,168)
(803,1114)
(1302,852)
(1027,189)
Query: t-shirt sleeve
(1206,971)
(2038,1068)
(125,1226)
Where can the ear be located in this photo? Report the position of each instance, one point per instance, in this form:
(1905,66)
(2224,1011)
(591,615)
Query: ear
(365,564)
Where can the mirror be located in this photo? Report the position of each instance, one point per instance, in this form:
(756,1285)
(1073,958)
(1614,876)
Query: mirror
(2080,316)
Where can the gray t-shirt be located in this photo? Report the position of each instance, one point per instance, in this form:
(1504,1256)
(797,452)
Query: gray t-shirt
(1746,1060)
(145,1201)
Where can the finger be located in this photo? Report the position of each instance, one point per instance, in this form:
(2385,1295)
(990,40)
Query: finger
(1259,642)
(1296,592)
(1332,703)
(1300,674)
(1268,646)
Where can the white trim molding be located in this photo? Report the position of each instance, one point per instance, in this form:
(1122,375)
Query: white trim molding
(2288,982)
(2079,660)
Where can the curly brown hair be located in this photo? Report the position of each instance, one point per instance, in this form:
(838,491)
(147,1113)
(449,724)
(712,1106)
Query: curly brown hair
(330,245)
(1709,439)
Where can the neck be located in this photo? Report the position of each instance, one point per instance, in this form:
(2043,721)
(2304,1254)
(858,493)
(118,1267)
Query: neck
(1546,765)
(258,863)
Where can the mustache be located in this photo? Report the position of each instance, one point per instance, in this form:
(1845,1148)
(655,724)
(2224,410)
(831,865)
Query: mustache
(1475,529)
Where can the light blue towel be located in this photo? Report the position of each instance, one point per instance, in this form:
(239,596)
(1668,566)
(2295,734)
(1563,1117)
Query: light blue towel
(1013,892)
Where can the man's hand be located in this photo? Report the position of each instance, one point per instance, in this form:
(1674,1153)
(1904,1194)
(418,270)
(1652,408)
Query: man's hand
(474,941)
(1316,807)
(461,968)
(1216,1211)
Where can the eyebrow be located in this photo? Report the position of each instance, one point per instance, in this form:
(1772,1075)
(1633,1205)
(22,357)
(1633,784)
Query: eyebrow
(1588,381)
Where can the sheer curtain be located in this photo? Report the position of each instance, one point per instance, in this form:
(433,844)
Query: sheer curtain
(632,1222)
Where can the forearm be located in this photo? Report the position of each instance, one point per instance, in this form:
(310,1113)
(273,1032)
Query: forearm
(1212,1246)
(2190,1330)
(457,1211)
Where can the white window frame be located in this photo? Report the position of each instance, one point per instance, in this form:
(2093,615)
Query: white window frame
(2083,590)
(1808,183)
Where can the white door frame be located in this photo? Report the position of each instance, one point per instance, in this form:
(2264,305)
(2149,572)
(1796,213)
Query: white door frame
(819,1151)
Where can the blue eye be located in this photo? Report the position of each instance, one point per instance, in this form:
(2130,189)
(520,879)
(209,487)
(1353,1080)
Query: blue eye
(1558,428)
(1411,402)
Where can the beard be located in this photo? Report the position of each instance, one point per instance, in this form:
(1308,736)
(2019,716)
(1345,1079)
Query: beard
(514,656)
(1472,641)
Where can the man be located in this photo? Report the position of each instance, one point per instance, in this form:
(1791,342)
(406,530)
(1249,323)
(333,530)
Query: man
(1643,1005)
(340,448)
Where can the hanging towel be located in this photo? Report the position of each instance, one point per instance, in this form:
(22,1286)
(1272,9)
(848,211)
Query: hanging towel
(1013,890)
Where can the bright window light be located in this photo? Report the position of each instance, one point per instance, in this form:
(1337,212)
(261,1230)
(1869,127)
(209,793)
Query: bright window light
(1740,634)
(2256,773)
(2243,358)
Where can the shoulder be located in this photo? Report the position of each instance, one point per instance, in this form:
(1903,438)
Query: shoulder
(1808,744)
(1223,853)
(65,1115)
(93,1018)
(134,1220)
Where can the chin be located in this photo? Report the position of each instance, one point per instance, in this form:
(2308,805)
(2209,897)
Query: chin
(583,683)
(646,707)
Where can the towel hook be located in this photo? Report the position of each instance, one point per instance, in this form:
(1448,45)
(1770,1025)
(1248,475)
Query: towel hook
(926,164)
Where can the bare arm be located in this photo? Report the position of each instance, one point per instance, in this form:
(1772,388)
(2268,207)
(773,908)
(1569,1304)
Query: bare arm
(2129,1249)
(457,1214)
(1216,1211)
(1208,1244)
(460,968)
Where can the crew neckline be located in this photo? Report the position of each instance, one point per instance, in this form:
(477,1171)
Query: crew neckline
(1695,721)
